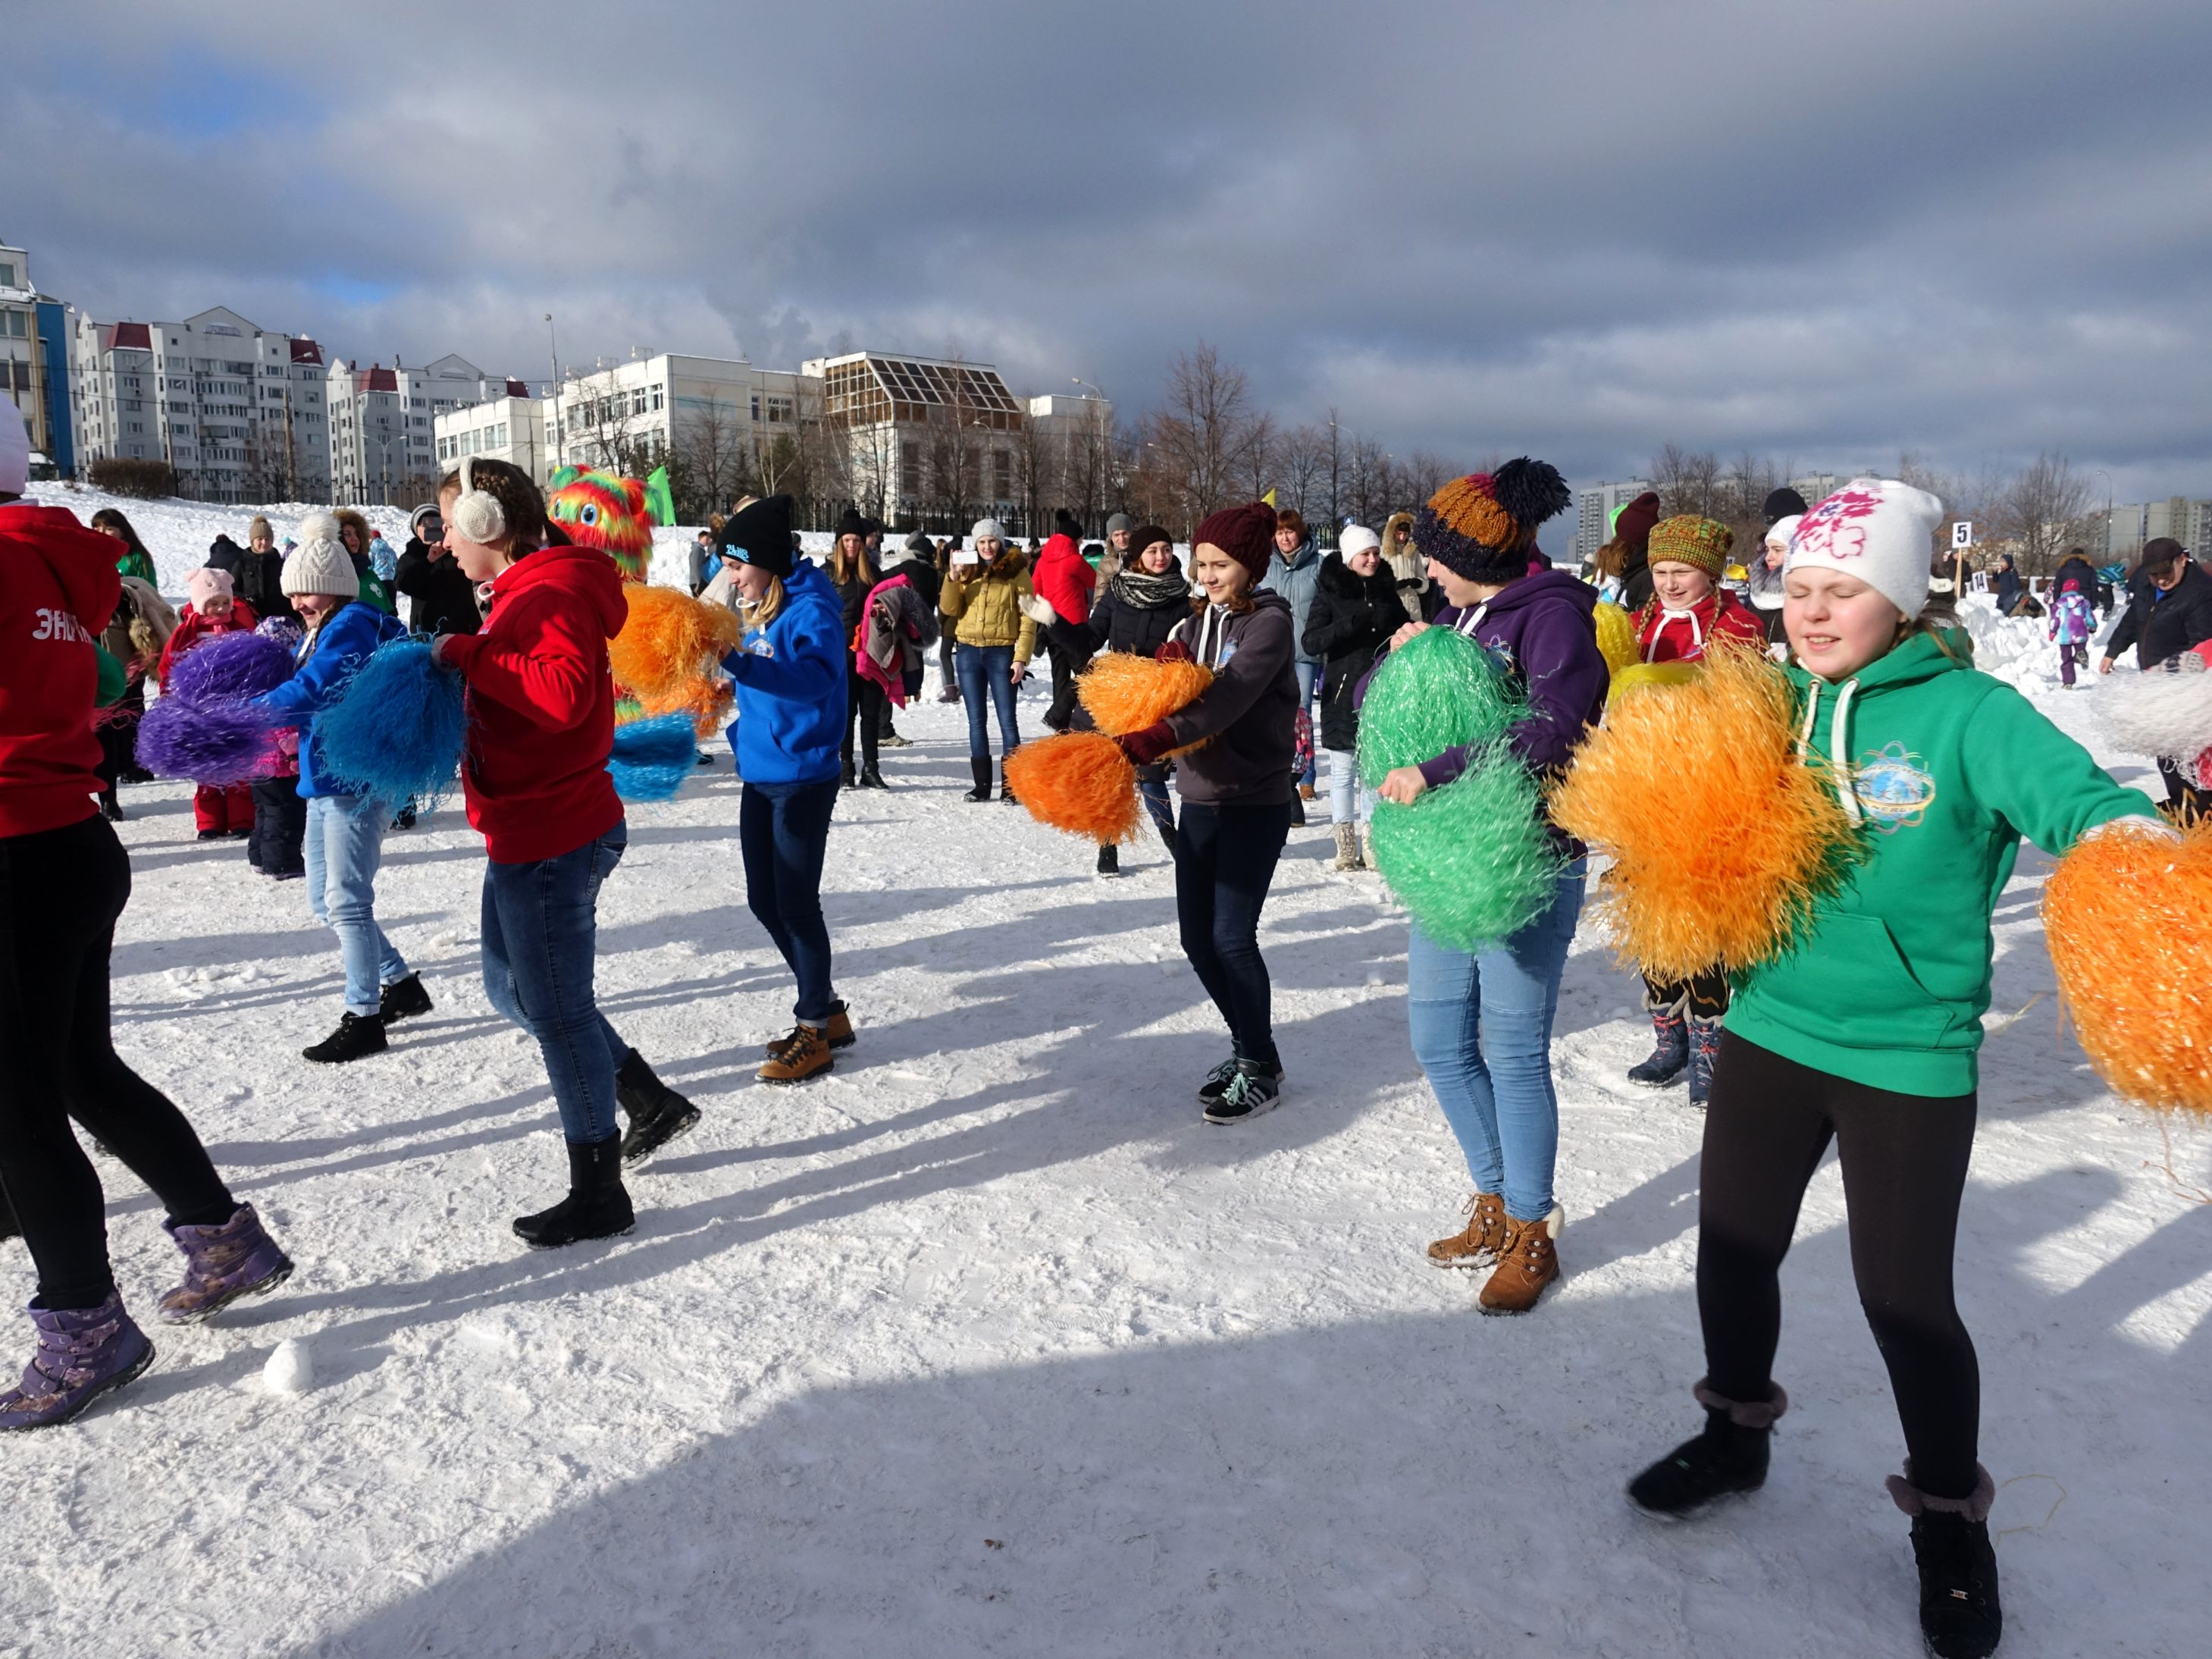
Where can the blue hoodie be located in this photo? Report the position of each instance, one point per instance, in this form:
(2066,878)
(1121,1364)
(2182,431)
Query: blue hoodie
(791,686)
(329,658)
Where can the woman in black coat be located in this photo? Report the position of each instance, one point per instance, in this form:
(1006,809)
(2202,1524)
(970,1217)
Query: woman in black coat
(1135,612)
(1356,610)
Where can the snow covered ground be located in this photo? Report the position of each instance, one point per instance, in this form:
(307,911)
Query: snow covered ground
(988,1345)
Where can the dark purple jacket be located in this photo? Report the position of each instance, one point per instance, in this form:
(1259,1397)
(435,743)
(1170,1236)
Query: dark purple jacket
(1541,627)
(1250,711)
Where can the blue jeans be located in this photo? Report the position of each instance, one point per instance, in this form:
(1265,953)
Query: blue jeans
(1350,801)
(540,940)
(783,832)
(988,671)
(1482,1032)
(1226,859)
(344,845)
(1308,675)
(1152,790)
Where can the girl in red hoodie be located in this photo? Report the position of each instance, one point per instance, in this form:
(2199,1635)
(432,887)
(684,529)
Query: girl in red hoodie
(64,881)
(1688,611)
(541,725)
(212,610)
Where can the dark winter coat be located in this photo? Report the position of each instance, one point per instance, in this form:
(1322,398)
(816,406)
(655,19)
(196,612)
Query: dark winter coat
(257,578)
(1250,712)
(1353,617)
(1119,622)
(442,600)
(2162,625)
(925,578)
(2007,585)
(2082,571)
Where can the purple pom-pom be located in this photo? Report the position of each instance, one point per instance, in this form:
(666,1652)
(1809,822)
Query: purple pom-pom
(219,744)
(229,668)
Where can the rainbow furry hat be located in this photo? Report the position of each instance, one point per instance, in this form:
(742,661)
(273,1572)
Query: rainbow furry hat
(1482,526)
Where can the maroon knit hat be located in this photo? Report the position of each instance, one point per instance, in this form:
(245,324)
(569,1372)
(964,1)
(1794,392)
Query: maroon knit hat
(1633,526)
(1246,534)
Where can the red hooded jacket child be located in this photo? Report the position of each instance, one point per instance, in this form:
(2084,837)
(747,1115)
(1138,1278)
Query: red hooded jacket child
(57,588)
(1064,579)
(541,705)
(1664,635)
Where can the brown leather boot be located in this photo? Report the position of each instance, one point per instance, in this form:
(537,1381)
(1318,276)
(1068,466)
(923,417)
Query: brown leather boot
(1477,1245)
(838,1033)
(805,1054)
(1527,1262)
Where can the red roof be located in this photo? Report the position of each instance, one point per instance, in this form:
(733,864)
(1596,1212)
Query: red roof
(132,336)
(307,351)
(518,388)
(380,379)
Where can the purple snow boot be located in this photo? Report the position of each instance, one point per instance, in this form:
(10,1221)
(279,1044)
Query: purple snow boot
(83,1353)
(222,1263)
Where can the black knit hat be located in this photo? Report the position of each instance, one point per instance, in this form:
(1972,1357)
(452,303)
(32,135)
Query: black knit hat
(759,534)
(1781,503)
(850,522)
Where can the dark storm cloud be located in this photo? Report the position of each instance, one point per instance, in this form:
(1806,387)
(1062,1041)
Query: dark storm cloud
(1973,229)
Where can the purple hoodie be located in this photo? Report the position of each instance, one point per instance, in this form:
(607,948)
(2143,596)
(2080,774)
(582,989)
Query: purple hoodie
(1541,627)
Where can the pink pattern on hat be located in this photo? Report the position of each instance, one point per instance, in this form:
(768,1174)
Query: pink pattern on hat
(1829,532)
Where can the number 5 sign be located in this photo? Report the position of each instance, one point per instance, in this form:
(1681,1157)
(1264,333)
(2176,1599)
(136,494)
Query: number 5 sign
(1962,534)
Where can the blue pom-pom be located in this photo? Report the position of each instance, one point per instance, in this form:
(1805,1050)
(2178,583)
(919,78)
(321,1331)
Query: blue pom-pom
(652,758)
(218,744)
(398,732)
(230,668)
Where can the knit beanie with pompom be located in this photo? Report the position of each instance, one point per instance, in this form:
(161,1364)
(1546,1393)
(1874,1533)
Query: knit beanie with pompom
(1482,527)
(320,564)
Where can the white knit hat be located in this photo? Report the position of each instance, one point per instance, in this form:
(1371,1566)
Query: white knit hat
(1782,530)
(1358,538)
(14,453)
(320,564)
(990,527)
(1877,530)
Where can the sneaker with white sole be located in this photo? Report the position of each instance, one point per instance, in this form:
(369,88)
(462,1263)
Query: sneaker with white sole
(1254,1088)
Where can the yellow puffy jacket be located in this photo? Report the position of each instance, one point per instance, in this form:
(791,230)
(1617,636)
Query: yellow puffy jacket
(987,609)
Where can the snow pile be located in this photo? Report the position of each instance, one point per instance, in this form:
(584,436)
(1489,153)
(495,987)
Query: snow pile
(2011,649)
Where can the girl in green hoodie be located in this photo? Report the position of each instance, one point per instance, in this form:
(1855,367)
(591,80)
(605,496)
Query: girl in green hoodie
(1866,1033)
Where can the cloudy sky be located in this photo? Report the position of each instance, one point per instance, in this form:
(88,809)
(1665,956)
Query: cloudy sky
(1973,228)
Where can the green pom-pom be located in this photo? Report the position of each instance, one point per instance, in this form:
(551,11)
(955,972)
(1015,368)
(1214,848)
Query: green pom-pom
(1472,860)
(1439,690)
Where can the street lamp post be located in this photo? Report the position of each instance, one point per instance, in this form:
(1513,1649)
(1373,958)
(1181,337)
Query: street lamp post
(560,426)
(2105,555)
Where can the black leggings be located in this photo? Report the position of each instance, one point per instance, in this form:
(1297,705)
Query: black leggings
(868,710)
(1225,858)
(1705,995)
(1905,1167)
(60,893)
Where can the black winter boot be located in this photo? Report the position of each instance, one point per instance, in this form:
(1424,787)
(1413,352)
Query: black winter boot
(980,767)
(1959,1617)
(1005,789)
(1110,860)
(870,778)
(1670,1027)
(1727,1459)
(597,1206)
(657,1112)
(357,1036)
(404,999)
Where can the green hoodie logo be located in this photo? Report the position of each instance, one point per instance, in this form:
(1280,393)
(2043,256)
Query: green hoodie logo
(1894,788)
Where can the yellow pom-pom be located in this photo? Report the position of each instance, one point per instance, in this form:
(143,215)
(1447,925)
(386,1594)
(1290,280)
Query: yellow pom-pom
(1641,676)
(2128,919)
(1078,781)
(1616,635)
(669,638)
(1721,836)
(1126,693)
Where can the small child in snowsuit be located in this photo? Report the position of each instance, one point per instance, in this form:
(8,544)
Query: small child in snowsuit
(2072,622)
(212,610)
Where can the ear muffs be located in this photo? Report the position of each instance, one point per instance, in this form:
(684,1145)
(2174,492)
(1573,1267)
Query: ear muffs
(477,515)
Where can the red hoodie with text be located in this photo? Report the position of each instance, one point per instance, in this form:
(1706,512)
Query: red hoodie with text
(541,705)
(57,588)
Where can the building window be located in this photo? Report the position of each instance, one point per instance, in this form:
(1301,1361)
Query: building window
(637,401)
(658,401)
(7,274)
(755,406)
(16,319)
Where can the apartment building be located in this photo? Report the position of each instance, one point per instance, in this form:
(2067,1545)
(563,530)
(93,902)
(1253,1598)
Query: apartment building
(2128,525)
(633,416)
(383,424)
(23,376)
(236,408)
(511,428)
(1594,508)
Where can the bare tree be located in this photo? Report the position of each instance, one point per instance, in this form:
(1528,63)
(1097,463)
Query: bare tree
(1689,481)
(1301,467)
(706,464)
(2042,513)
(1422,476)
(1205,431)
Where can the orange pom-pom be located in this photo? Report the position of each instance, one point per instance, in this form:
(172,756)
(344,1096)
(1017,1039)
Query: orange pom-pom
(706,699)
(2128,919)
(669,640)
(1721,837)
(1126,693)
(1078,781)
